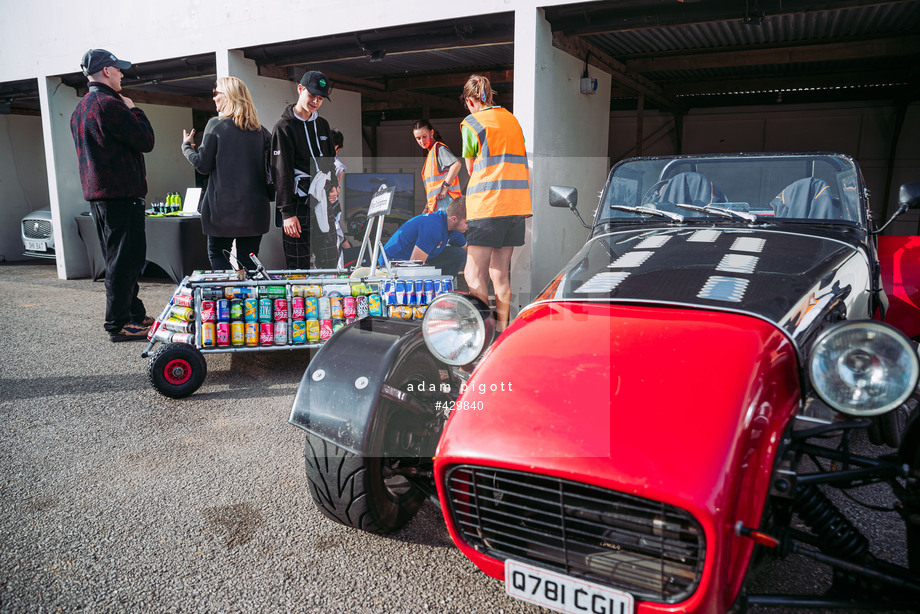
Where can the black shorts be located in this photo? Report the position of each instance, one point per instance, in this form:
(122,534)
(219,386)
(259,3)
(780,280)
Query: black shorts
(496,232)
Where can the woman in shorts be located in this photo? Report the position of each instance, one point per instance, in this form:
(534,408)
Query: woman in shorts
(497,196)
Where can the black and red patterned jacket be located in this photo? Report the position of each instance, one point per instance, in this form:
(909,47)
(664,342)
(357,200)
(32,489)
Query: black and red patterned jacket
(111,140)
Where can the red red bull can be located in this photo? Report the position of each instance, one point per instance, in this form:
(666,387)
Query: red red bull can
(281,309)
(298,308)
(185,300)
(350,307)
(251,309)
(208,334)
(311,308)
(281,330)
(266,333)
(223,334)
(237,333)
(313,331)
(266,308)
(325,330)
(298,331)
(223,310)
(251,333)
(208,311)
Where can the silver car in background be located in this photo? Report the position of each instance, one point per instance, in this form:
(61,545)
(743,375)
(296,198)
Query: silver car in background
(37,235)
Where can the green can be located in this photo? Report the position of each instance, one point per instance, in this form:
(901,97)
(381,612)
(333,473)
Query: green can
(277,291)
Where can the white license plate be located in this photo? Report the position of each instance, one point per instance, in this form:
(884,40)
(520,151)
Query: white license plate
(36,246)
(563,593)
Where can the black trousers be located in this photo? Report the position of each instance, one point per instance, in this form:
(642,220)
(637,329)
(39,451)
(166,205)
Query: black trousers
(244,247)
(297,250)
(120,224)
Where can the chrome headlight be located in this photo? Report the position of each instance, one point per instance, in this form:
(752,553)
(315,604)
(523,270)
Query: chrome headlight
(863,368)
(457,328)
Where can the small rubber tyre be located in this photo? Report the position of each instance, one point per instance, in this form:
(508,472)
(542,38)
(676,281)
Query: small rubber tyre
(177,370)
(351,489)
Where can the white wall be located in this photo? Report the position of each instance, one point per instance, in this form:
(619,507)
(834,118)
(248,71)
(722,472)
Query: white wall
(23,178)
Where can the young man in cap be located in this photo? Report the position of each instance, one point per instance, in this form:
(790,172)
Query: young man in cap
(111,135)
(303,157)
(434,238)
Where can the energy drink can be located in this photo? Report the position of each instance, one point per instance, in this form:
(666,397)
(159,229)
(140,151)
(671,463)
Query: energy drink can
(239,292)
(337,323)
(313,290)
(208,311)
(281,309)
(223,334)
(265,309)
(420,297)
(313,331)
(298,331)
(410,292)
(298,308)
(273,291)
(212,293)
(281,333)
(389,293)
(223,310)
(335,307)
(296,291)
(311,308)
(182,313)
(361,309)
(375,305)
(400,291)
(251,309)
(266,333)
(251,333)
(237,333)
(418,312)
(349,307)
(325,329)
(208,334)
(429,291)
(448,285)
(325,308)
(236,309)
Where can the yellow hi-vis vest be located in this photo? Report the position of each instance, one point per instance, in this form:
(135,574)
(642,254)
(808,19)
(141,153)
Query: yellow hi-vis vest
(434,180)
(499,183)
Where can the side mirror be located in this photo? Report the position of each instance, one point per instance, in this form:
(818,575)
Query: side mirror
(908,198)
(563,196)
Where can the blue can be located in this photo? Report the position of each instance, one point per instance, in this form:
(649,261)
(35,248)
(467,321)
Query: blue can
(448,285)
(389,293)
(223,310)
(420,297)
(265,309)
(429,291)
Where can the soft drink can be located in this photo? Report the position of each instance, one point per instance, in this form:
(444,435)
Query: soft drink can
(389,293)
(448,285)
(325,308)
(420,297)
(418,312)
(236,309)
(410,292)
(182,313)
(429,291)
(400,291)
(297,290)
(265,309)
(281,309)
(212,293)
(298,308)
(153,329)
(185,300)
(239,292)
(350,320)
(325,329)
(178,326)
(298,331)
(361,310)
(208,311)
(266,333)
(223,334)
(312,331)
(281,333)
(274,291)
(251,309)
(337,323)
(357,289)
(375,305)
(237,333)
(335,307)
(349,307)
(313,290)
(208,334)
(184,338)
(251,333)
(311,308)
(223,310)
(163,335)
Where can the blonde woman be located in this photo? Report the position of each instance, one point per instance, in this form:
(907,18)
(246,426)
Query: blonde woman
(235,205)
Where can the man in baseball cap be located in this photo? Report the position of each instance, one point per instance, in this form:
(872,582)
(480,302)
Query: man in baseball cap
(316,83)
(95,60)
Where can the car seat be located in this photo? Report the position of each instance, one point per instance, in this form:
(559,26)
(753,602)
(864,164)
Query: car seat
(807,198)
(687,188)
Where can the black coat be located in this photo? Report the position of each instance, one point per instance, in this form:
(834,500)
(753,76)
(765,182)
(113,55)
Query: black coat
(235,203)
(291,151)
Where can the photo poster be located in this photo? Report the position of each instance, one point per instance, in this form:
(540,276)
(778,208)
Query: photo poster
(361,187)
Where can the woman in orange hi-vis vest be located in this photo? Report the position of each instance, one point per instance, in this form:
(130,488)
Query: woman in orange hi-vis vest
(497,196)
(442,168)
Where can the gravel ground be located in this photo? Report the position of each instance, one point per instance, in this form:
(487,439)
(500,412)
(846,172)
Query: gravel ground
(114,498)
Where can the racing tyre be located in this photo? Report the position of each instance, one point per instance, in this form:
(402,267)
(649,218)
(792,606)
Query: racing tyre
(177,370)
(353,490)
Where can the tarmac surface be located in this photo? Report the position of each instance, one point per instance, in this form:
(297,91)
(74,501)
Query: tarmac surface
(114,498)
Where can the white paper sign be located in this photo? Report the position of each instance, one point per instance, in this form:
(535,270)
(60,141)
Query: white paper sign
(381,203)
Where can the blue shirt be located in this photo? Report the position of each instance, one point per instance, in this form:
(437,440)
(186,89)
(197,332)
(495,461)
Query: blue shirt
(428,232)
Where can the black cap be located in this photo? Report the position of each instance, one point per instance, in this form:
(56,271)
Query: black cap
(95,60)
(316,83)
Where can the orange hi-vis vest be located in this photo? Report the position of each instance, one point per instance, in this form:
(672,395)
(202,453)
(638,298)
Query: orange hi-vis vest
(434,180)
(499,185)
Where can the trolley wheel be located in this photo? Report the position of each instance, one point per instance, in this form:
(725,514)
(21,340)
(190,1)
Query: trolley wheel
(177,370)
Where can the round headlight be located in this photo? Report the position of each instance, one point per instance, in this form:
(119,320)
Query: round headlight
(863,368)
(457,328)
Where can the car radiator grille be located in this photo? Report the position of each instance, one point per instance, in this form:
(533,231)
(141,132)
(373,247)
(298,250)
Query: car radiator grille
(652,550)
(36,229)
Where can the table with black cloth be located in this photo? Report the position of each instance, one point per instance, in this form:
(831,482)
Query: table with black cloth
(174,243)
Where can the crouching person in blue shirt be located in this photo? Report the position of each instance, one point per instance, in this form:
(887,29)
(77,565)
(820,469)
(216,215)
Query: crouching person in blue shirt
(434,238)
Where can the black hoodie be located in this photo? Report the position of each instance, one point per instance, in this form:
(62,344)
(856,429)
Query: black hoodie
(304,146)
